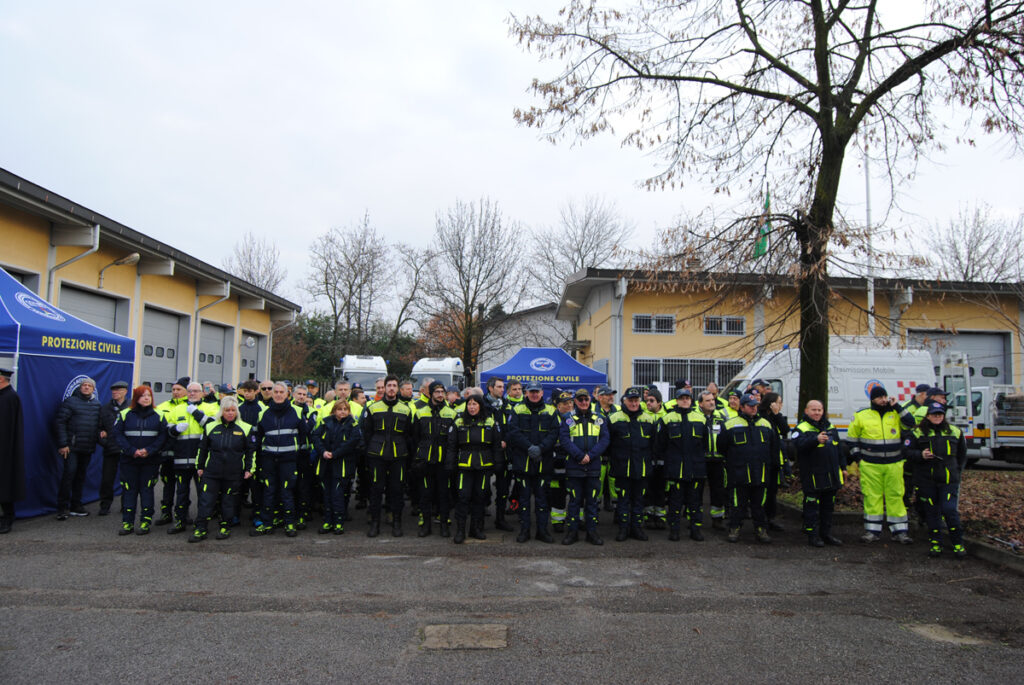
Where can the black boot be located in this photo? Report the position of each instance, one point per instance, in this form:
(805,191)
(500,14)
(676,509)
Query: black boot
(499,518)
(593,538)
(374,528)
(443,525)
(814,540)
(673,534)
(396,527)
(5,524)
(571,537)
(476,529)
(695,534)
(460,531)
(623,533)
(543,535)
(524,534)
(637,533)
(426,527)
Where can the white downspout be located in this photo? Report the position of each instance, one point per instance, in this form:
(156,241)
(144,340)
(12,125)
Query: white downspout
(195,347)
(53,270)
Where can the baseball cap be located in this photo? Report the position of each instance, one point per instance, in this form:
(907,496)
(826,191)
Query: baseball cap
(605,390)
(582,392)
(936,408)
(683,392)
(922,387)
(226,389)
(935,391)
(749,400)
(312,383)
(633,391)
(452,388)
(564,396)
(535,385)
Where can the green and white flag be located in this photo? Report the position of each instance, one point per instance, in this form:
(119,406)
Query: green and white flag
(761,245)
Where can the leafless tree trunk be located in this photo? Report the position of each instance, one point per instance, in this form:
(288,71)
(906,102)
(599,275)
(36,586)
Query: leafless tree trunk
(474,276)
(751,93)
(257,261)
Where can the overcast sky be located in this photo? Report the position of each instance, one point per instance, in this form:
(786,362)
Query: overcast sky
(194,122)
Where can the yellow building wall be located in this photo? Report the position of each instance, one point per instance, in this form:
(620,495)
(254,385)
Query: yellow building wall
(26,242)
(26,246)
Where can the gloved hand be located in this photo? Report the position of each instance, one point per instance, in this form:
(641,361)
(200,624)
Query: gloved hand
(533,452)
(181,427)
(198,414)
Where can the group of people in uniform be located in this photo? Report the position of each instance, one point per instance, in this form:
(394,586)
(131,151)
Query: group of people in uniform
(288,454)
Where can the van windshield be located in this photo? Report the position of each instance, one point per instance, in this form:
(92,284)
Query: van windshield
(445,378)
(364,378)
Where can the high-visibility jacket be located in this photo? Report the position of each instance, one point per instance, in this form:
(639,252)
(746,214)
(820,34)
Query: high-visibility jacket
(949,448)
(531,425)
(387,430)
(186,444)
(876,437)
(630,443)
(164,409)
(140,428)
(328,408)
(820,464)
(683,445)
(474,443)
(343,440)
(750,445)
(583,433)
(281,431)
(433,424)
(228,449)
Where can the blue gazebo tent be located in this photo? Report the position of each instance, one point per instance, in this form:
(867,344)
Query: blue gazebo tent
(51,351)
(552,366)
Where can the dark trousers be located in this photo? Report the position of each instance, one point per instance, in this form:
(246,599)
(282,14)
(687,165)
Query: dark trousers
(535,487)
(170,482)
(435,492)
(183,480)
(363,479)
(746,495)
(108,478)
(819,506)
(941,502)
(137,483)
(717,487)
(72,479)
(585,493)
(630,509)
(336,491)
(387,476)
(502,486)
(688,495)
(214,488)
(278,488)
(771,508)
(473,490)
(305,476)
(654,495)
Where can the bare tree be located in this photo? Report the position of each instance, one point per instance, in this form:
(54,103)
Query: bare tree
(343,265)
(749,93)
(590,233)
(258,261)
(473,277)
(975,246)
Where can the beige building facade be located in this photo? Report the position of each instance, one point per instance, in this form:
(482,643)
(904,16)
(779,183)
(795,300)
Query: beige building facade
(188,318)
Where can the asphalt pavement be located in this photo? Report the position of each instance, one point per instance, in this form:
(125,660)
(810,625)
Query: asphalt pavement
(79,603)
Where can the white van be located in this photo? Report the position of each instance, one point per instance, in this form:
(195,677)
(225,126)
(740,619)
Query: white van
(852,372)
(448,370)
(364,369)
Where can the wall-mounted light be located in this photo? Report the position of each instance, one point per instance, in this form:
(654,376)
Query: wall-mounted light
(133,258)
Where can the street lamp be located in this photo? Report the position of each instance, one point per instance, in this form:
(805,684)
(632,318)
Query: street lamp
(133,258)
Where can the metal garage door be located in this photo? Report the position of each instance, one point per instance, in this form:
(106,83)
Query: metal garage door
(160,355)
(250,355)
(96,309)
(213,361)
(987,352)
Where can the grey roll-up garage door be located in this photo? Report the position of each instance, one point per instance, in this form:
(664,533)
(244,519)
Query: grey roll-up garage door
(161,357)
(250,356)
(213,362)
(96,309)
(987,352)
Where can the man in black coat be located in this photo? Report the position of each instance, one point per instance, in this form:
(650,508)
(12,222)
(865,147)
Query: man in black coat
(109,414)
(12,451)
(78,433)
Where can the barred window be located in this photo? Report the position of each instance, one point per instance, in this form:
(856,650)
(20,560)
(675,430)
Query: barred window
(658,323)
(725,325)
(699,372)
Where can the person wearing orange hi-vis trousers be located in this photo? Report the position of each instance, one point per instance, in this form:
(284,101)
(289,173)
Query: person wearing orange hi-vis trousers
(749,444)
(875,435)
(474,447)
(584,437)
